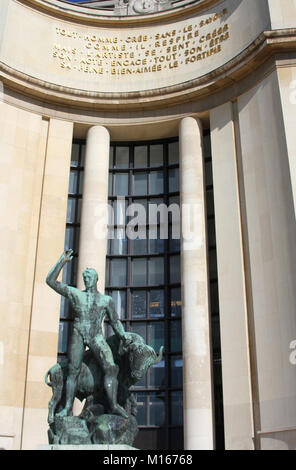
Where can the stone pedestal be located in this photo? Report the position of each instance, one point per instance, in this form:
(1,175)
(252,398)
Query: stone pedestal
(105,429)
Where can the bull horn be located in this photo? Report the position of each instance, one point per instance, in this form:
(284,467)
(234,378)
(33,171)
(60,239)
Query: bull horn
(159,356)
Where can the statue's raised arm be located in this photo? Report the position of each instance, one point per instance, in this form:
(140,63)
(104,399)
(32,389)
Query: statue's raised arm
(51,279)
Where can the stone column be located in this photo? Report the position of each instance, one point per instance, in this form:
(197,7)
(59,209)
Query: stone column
(271,229)
(50,210)
(93,238)
(197,369)
(236,369)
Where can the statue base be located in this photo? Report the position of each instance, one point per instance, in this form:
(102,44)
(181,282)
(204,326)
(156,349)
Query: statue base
(104,429)
(97,447)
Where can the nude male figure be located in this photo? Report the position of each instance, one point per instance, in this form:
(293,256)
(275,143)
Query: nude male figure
(90,307)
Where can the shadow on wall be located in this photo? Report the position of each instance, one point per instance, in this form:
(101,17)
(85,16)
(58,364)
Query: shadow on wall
(279,441)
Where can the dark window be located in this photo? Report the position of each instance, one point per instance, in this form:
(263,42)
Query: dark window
(145,270)
(214,299)
(71,241)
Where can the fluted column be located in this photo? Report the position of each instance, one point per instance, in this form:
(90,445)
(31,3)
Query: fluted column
(93,238)
(197,376)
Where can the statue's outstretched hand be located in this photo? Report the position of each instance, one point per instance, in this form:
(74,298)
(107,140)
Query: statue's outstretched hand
(68,255)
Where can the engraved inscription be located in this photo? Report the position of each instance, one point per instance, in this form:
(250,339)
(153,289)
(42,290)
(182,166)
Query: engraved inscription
(136,54)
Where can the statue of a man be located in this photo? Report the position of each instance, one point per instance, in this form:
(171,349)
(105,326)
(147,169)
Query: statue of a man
(90,307)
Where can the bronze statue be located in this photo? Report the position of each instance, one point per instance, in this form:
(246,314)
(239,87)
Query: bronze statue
(110,409)
(90,307)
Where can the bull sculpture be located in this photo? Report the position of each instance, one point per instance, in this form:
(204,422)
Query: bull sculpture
(133,360)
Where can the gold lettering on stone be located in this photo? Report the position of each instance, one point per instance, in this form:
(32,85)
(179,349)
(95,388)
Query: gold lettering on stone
(141,53)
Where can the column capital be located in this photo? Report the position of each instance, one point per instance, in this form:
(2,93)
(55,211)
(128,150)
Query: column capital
(98,131)
(190,122)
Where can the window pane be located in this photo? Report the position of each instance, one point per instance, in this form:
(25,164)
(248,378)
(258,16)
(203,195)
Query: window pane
(141,202)
(139,304)
(174,180)
(111,157)
(154,213)
(173,153)
(210,202)
(75,155)
(119,244)
(174,213)
(107,273)
(156,246)
(174,245)
(156,271)
(71,210)
(119,297)
(156,409)
(142,409)
(119,210)
(74,268)
(215,327)
(176,372)
(73,182)
(118,272)
(140,184)
(175,336)
(67,274)
(65,308)
(174,200)
(122,157)
(157,375)
(156,155)
(81,181)
(82,156)
(213,264)
(110,189)
(175,270)
(211,232)
(121,184)
(177,438)
(208,173)
(156,304)
(207,145)
(140,243)
(156,182)
(70,239)
(156,335)
(176,302)
(177,408)
(64,330)
(214,297)
(139,276)
(140,159)
(139,246)
(174,230)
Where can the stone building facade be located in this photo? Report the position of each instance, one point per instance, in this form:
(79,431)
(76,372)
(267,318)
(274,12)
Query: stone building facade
(219,78)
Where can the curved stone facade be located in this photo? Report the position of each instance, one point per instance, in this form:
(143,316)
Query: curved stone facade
(224,65)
